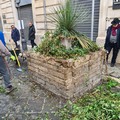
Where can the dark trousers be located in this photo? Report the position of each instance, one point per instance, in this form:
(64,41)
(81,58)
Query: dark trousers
(17,46)
(4,71)
(33,43)
(115,52)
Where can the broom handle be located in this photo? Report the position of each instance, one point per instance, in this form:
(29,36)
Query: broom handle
(15,54)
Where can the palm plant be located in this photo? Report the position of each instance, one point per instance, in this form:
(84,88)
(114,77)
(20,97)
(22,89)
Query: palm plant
(67,16)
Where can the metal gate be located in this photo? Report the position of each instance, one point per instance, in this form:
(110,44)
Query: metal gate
(85,27)
(25,14)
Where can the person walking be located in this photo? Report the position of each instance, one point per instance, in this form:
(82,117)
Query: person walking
(31,35)
(4,68)
(15,35)
(113,40)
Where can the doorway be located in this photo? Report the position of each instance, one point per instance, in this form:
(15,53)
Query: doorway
(25,14)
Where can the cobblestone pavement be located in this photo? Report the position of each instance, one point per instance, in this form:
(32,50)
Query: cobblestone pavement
(114,71)
(29,101)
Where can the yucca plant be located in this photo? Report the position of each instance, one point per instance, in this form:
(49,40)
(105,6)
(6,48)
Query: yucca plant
(67,16)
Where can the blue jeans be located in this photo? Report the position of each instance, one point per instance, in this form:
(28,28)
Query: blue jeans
(4,72)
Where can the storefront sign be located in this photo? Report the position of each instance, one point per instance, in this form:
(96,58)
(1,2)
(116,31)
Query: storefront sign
(116,4)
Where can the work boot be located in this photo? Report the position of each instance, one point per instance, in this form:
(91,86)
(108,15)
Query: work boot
(1,77)
(9,89)
(112,64)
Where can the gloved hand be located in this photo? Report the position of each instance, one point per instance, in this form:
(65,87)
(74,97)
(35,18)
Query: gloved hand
(12,58)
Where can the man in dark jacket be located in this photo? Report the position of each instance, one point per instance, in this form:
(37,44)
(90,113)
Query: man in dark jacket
(15,35)
(113,40)
(31,35)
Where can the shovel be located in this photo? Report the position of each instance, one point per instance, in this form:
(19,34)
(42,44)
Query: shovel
(18,69)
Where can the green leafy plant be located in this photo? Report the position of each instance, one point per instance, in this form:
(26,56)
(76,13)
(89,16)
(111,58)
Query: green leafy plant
(2,90)
(111,83)
(52,47)
(101,104)
(66,17)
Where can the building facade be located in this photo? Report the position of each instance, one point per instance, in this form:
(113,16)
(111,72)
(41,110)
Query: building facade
(101,11)
(36,11)
(8,16)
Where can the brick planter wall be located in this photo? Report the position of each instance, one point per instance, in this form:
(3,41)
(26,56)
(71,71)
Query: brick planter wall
(66,78)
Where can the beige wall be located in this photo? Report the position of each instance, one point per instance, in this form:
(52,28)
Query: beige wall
(40,16)
(8,16)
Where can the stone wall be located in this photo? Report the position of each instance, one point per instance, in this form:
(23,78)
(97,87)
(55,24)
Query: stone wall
(66,78)
(8,16)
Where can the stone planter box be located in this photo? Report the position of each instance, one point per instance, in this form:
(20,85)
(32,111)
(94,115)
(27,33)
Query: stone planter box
(66,78)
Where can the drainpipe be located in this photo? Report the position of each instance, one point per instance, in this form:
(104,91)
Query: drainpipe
(45,16)
(92,20)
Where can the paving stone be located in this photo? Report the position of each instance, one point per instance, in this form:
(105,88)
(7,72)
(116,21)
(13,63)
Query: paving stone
(29,101)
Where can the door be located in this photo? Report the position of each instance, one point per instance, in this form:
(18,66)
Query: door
(27,16)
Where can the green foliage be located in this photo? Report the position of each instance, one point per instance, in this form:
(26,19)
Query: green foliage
(51,46)
(43,117)
(101,104)
(66,17)
(111,83)
(2,90)
(86,43)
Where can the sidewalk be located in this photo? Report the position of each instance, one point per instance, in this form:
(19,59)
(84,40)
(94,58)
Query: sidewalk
(114,71)
(29,101)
